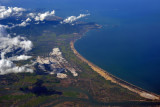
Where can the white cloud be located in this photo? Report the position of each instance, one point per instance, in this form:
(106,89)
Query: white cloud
(28,20)
(32,15)
(18,58)
(9,45)
(40,16)
(23,57)
(23,24)
(7,66)
(43,16)
(6,12)
(71,19)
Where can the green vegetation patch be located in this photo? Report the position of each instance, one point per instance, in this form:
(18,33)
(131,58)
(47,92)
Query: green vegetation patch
(35,101)
(71,94)
(15,97)
(27,80)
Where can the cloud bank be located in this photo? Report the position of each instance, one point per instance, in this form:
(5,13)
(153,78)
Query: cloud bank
(35,18)
(6,12)
(13,46)
(72,19)
(10,45)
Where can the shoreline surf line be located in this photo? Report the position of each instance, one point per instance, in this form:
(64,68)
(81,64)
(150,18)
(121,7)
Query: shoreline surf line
(143,93)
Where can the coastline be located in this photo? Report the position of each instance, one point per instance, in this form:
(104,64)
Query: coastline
(114,79)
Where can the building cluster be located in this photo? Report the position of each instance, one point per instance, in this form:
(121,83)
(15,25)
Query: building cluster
(55,64)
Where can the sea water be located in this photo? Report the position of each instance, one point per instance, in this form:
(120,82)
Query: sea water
(128,45)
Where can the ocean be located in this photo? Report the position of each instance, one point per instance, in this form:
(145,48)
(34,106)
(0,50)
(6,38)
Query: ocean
(128,44)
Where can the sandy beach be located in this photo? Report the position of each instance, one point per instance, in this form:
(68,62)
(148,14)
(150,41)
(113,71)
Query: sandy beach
(112,78)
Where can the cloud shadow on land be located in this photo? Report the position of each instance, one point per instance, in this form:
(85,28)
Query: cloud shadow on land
(38,89)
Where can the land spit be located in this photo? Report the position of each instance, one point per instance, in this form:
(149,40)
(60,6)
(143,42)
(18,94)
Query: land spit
(143,93)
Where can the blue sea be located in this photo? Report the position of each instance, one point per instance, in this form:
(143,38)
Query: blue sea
(128,45)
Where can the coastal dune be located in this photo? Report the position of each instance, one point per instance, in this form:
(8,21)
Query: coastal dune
(112,78)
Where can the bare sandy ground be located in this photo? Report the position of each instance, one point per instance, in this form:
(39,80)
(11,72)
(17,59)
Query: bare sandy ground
(107,76)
